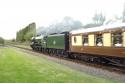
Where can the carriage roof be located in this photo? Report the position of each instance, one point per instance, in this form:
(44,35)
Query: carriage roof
(100,28)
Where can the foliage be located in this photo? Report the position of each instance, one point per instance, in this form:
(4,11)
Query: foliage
(19,67)
(26,33)
(99,18)
(13,40)
(1,40)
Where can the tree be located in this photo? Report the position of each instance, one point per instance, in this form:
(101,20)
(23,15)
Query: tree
(1,40)
(26,33)
(13,40)
(99,18)
(115,19)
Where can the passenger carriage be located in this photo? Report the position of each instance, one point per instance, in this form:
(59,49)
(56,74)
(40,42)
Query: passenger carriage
(107,42)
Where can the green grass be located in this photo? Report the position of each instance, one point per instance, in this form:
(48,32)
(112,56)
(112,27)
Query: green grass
(19,67)
(23,46)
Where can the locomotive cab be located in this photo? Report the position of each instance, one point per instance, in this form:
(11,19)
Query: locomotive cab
(37,42)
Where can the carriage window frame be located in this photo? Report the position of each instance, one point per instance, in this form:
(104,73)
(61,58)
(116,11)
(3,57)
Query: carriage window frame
(75,39)
(116,35)
(85,37)
(97,37)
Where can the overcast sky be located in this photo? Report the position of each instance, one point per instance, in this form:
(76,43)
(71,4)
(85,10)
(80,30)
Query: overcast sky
(16,14)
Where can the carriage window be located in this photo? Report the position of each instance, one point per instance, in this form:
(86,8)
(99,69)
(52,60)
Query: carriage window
(117,39)
(99,40)
(75,40)
(85,40)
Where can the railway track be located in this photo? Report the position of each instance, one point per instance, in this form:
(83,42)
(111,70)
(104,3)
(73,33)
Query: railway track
(109,67)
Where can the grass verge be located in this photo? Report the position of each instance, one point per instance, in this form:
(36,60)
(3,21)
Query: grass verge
(19,67)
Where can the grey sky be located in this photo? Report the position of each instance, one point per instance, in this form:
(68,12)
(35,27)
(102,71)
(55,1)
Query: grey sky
(16,14)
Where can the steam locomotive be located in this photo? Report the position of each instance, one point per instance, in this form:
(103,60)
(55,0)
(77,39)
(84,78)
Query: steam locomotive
(104,44)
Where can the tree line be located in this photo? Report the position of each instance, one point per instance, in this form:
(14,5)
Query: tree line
(26,33)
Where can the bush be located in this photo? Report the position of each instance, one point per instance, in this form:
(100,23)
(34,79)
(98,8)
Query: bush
(1,40)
